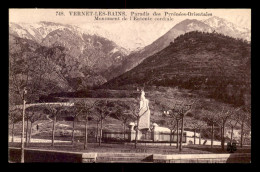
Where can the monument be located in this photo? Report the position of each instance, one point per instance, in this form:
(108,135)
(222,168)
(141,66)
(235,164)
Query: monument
(144,122)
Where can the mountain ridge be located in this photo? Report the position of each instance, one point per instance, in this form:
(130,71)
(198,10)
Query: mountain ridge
(198,61)
(85,51)
(180,28)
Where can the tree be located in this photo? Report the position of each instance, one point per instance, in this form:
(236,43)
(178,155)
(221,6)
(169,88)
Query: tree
(55,110)
(75,112)
(212,119)
(123,114)
(174,122)
(14,117)
(223,116)
(199,126)
(97,120)
(243,116)
(232,123)
(33,115)
(135,112)
(172,125)
(194,127)
(182,110)
(26,77)
(104,109)
(178,112)
(85,108)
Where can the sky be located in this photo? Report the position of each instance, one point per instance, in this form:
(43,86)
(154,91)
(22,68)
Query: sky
(131,34)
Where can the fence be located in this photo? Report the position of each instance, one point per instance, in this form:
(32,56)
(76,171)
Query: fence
(115,136)
(169,137)
(149,136)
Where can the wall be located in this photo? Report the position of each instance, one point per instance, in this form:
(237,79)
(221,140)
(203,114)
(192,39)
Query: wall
(36,155)
(203,158)
(39,155)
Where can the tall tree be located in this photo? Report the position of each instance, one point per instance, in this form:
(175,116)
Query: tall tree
(194,127)
(243,116)
(223,117)
(182,110)
(123,113)
(55,111)
(178,112)
(212,119)
(75,111)
(33,115)
(135,112)
(200,125)
(172,125)
(232,124)
(85,108)
(104,109)
(14,116)
(173,122)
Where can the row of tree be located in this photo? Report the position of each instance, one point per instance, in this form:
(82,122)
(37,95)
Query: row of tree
(227,117)
(84,110)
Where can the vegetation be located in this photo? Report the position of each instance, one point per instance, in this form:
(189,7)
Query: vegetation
(210,62)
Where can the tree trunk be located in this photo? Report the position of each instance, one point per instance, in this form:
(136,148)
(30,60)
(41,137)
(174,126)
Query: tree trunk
(97,132)
(242,132)
(194,136)
(26,139)
(182,127)
(100,134)
(86,133)
(200,136)
(30,134)
(171,137)
(13,133)
(223,136)
(231,139)
(136,132)
(73,129)
(212,135)
(53,130)
(124,131)
(177,145)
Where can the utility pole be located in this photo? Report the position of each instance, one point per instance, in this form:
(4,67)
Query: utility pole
(22,139)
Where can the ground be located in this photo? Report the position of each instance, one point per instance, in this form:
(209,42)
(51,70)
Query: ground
(117,148)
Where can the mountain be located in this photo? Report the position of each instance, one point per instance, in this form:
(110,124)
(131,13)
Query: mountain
(137,57)
(80,54)
(225,27)
(215,24)
(212,62)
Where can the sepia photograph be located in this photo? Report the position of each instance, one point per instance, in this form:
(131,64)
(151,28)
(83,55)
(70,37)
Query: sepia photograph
(129,85)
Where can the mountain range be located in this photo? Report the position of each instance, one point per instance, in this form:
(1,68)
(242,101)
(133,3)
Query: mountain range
(90,59)
(73,50)
(213,24)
